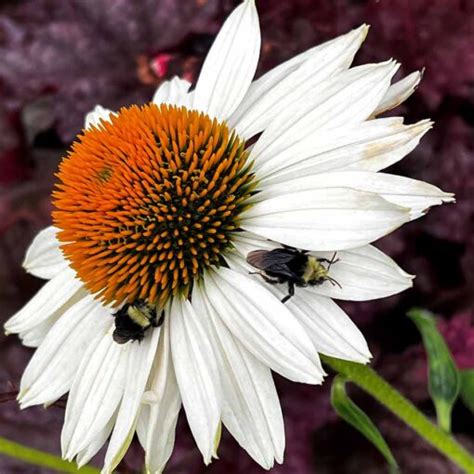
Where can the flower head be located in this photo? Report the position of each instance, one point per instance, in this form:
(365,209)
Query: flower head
(150,200)
(157,211)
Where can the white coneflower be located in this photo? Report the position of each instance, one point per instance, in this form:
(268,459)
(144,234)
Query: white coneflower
(151,303)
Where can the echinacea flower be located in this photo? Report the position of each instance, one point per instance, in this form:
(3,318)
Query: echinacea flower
(158,207)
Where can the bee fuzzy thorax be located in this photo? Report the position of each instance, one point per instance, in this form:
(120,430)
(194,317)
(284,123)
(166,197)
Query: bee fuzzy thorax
(141,315)
(315,272)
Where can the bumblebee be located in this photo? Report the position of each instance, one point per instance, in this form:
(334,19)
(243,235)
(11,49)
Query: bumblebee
(293,266)
(132,320)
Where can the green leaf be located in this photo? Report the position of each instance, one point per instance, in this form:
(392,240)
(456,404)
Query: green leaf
(353,415)
(444,380)
(467,388)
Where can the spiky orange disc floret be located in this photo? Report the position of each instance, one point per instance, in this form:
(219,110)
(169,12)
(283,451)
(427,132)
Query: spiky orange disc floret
(147,201)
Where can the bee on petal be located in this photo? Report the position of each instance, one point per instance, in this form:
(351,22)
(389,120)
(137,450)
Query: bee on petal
(293,266)
(132,321)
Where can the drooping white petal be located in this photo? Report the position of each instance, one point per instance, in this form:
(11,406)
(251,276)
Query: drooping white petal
(263,325)
(95,393)
(416,195)
(95,116)
(51,370)
(174,92)
(35,336)
(368,146)
(251,410)
(139,359)
(331,330)
(324,218)
(267,98)
(230,64)
(86,454)
(44,258)
(347,98)
(399,92)
(50,302)
(163,406)
(197,375)
(142,422)
(364,273)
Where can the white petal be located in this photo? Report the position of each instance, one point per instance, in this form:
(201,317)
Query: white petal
(230,64)
(51,370)
(251,410)
(139,359)
(95,393)
(34,336)
(418,196)
(331,330)
(86,454)
(244,242)
(324,218)
(96,116)
(50,302)
(143,422)
(263,325)
(274,76)
(347,98)
(44,258)
(163,408)
(364,273)
(174,92)
(399,92)
(197,375)
(369,146)
(266,99)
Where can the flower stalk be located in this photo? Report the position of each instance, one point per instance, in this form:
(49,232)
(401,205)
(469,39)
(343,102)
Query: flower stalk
(40,458)
(367,379)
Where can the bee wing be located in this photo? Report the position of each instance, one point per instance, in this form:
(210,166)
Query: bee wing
(279,261)
(257,258)
(119,339)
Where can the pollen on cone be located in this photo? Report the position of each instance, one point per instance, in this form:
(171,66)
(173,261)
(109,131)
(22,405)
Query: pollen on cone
(147,201)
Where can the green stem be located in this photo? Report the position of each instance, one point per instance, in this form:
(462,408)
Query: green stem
(367,379)
(40,458)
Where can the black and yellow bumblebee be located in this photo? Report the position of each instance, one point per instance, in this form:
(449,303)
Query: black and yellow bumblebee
(132,320)
(293,266)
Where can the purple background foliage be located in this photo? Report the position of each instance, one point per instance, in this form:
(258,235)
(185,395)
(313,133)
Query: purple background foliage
(59,58)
